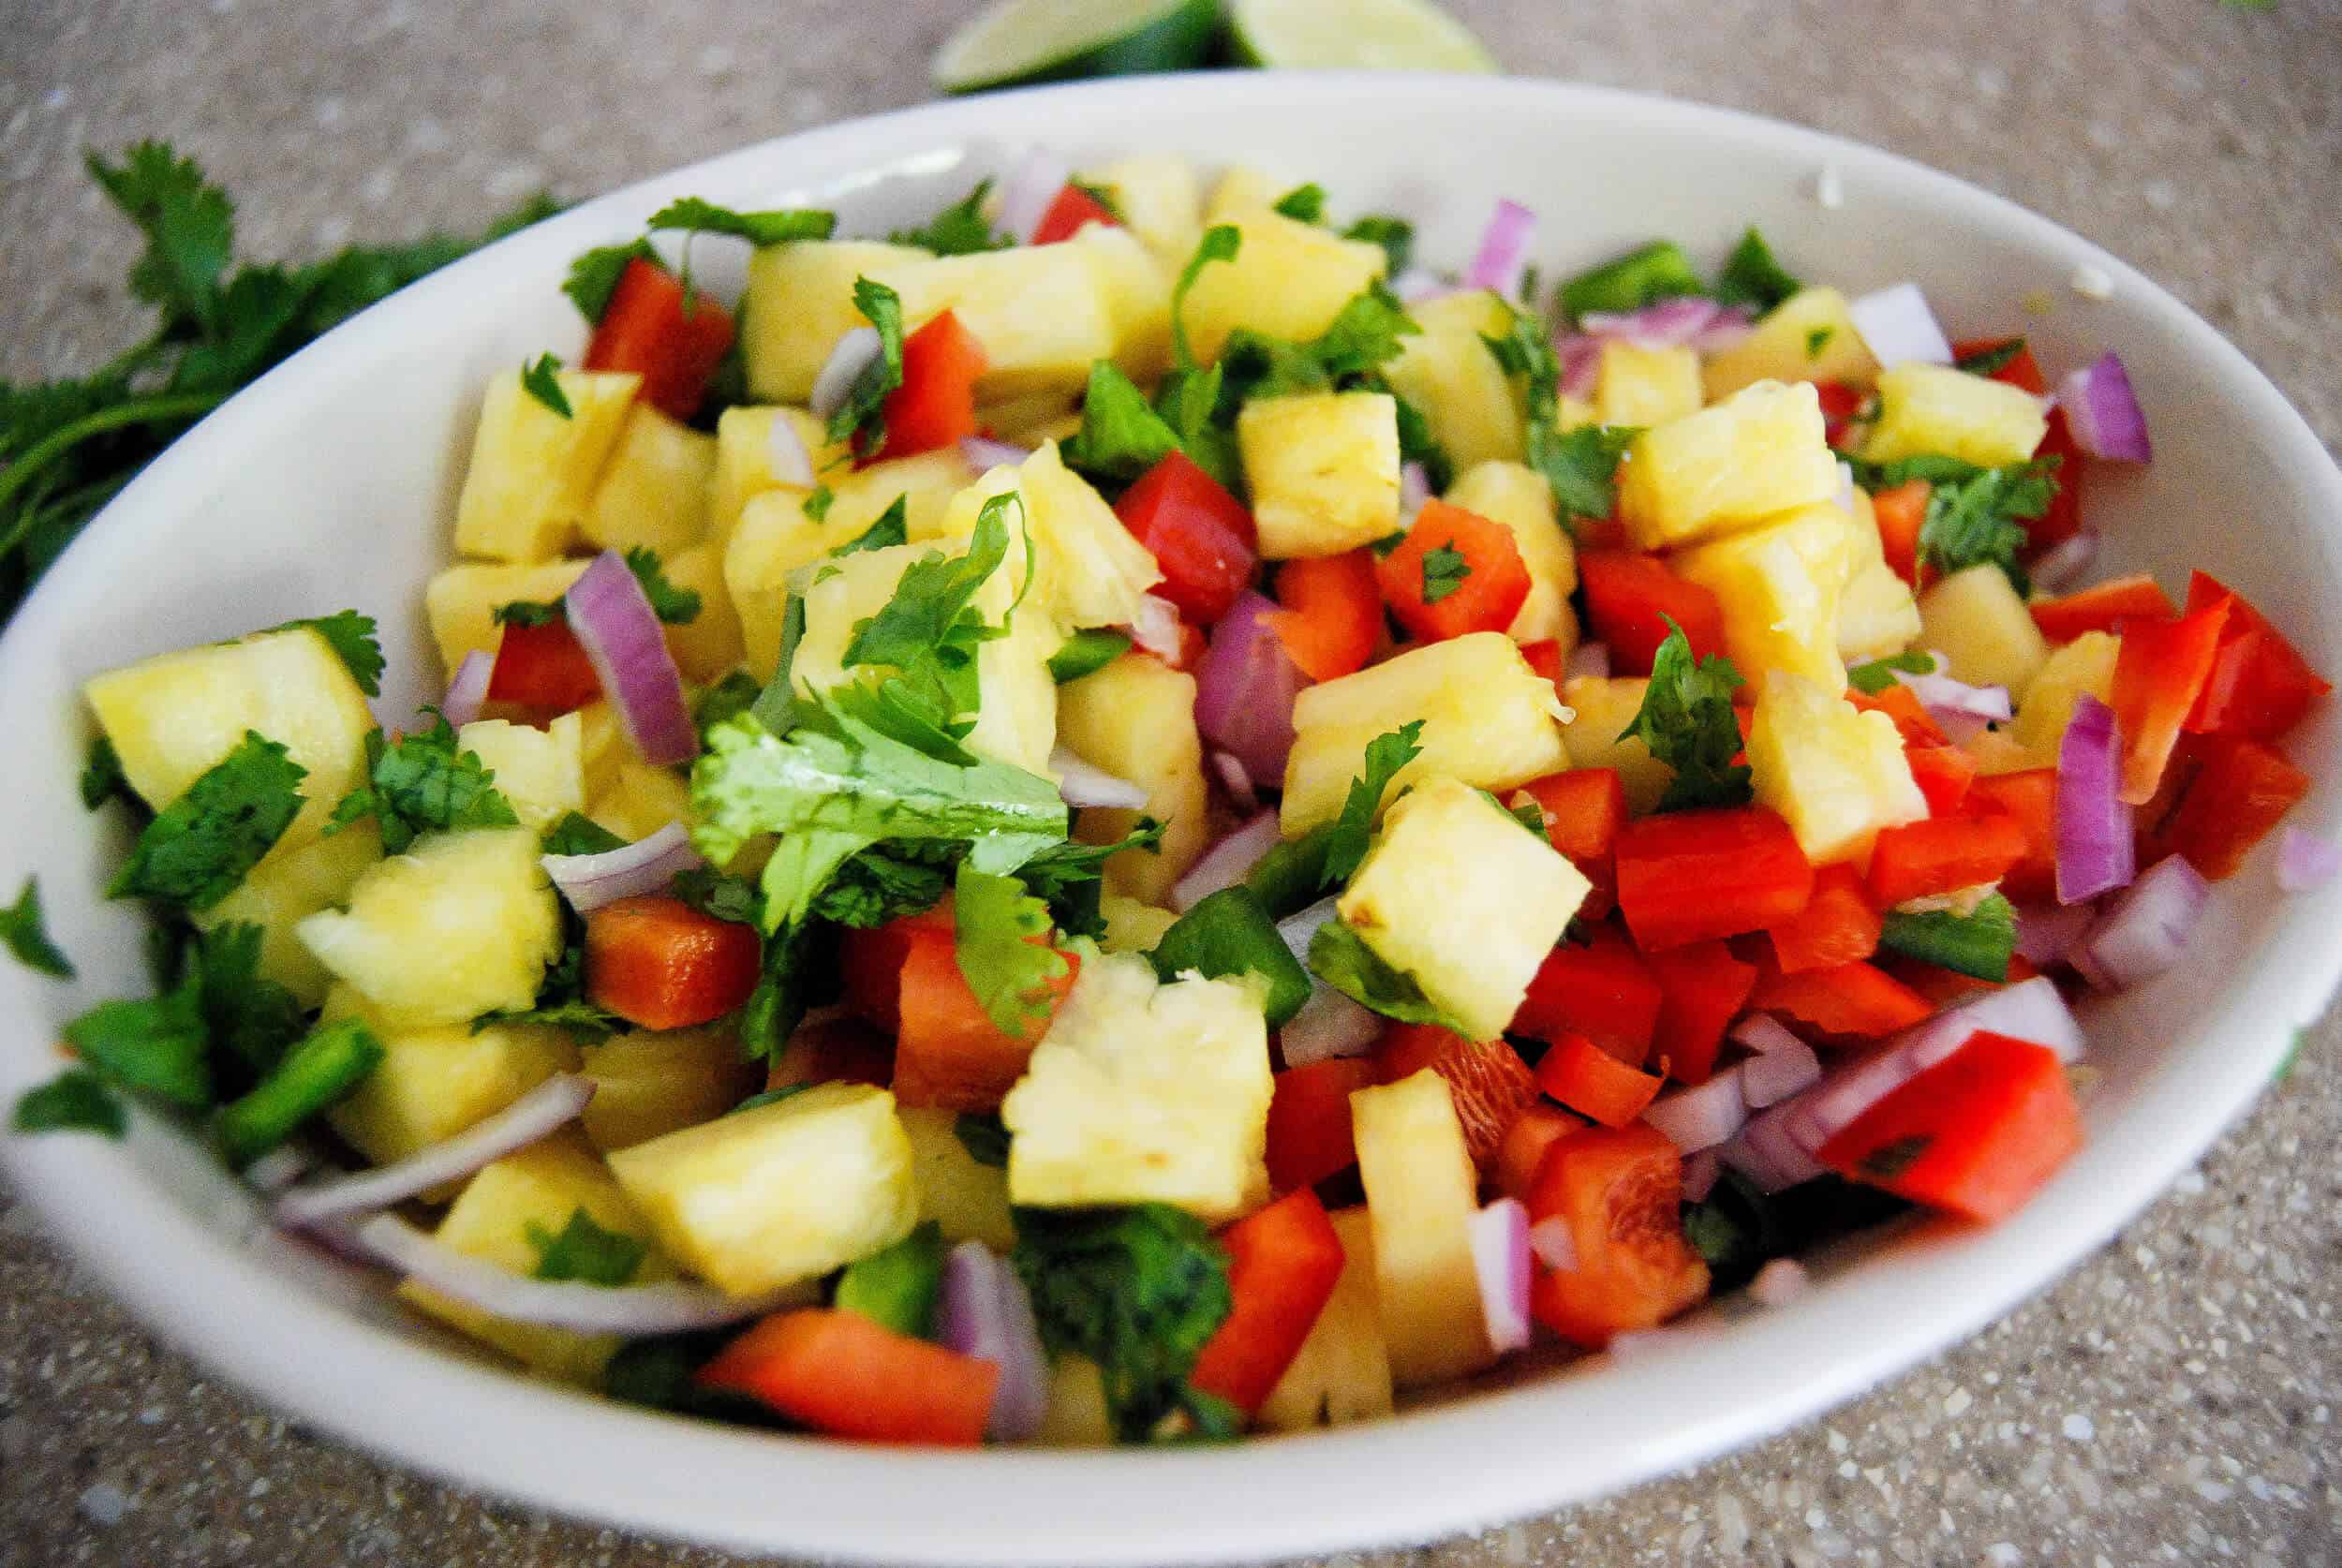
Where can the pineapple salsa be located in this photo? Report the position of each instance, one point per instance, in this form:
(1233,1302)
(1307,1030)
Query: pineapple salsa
(1125,815)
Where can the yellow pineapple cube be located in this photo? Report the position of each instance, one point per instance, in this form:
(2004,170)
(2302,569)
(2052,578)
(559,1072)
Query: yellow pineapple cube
(1289,279)
(707,646)
(642,799)
(1780,586)
(1518,498)
(1421,1194)
(744,460)
(2083,667)
(1836,773)
(1809,336)
(1144,1092)
(1934,408)
(1876,614)
(1449,374)
(1136,718)
(1323,469)
(530,481)
(286,889)
(1242,191)
(1031,417)
(967,1199)
(1130,925)
(1757,452)
(654,1082)
(436,1080)
(1136,289)
(1042,313)
(542,772)
(1076,1415)
(1457,894)
(1089,571)
(601,746)
(779,1193)
(1601,708)
(1646,386)
(799,303)
(1343,1371)
(173,718)
(1488,719)
(461,925)
(1160,201)
(461,602)
(654,490)
(1975,619)
(543,1185)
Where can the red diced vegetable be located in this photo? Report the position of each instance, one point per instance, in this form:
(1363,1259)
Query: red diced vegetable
(1944,774)
(2260,684)
(1311,1135)
(1333,613)
(1840,404)
(1942,854)
(673,343)
(659,963)
(1900,510)
(1282,1265)
(1487,1080)
(1702,988)
(1838,925)
(949,1053)
(2232,791)
(1851,1001)
(2158,675)
(1686,875)
(872,962)
(850,1376)
(1523,1152)
(2020,370)
(936,404)
(1065,215)
(1620,1192)
(2028,798)
(1545,657)
(1201,537)
(1594,1083)
(2061,519)
(1631,596)
(1601,990)
(837,1049)
(1912,722)
(2107,607)
(1584,809)
(1457,572)
(542,667)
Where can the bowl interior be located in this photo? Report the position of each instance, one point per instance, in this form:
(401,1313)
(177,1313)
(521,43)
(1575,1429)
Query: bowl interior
(332,483)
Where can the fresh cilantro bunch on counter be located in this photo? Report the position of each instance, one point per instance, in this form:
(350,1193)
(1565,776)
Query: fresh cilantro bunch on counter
(67,446)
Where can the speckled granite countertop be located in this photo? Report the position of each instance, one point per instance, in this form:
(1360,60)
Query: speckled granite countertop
(2173,1400)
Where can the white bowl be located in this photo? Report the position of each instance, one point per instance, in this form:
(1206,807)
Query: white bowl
(332,482)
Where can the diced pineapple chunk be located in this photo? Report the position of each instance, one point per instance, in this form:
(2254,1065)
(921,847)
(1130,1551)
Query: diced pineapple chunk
(1343,1371)
(1136,718)
(1449,374)
(542,772)
(1323,469)
(799,303)
(1420,1196)
(1836,773)
(1780,586)
(651,1083)
(779,1193)
(1646,386)
(1076,1415)
(1518,498)
(641,799)
(1160,199)
(1996,751)
(461,602)
(1975,619)
(967,1199)
(1757,452)
(601,746)
(1456,894)
(1601,708)
(1934,408)
(1488,719)
(1088,570)
(461,925)
(708,645)
(543,1185)
(530,481)
(653,490)
(1031,417)
(1809,336)
(436,1080)
(1130,925)
(1876,614)
(1137,293)
(1142,1092)
(1289,279)
(172,718)
(1241,190)
(284,890)
(1044,313)
(2084,666)
(744,460)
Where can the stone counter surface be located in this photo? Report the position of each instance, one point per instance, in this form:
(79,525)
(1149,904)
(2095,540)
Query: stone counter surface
(2173,1400)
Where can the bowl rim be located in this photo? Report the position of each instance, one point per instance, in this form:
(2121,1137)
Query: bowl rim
(691,1480)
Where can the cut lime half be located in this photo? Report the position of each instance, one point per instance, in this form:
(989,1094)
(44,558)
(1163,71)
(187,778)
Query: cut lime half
(1355,34)
(1019,42)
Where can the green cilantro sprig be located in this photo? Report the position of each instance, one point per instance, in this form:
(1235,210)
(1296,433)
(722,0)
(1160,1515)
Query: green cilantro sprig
(423,783)
(542,380)
(861,419)
(1444,572)
(583,1251)
(199,846)
(1686,720)
(23,930)
(960,230)
(995,925)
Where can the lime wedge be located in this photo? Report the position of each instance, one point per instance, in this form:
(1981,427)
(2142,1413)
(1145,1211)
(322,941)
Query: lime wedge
(1355,34)
(1017,42)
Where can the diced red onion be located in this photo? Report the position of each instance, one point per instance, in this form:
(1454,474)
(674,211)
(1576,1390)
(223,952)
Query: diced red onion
(1552,1244)
(1581,364)
(1763,1031)
(1155,629)
(1732,326)
(670,1306)
(1236,780)
(785,454)
(1028,192)
(1942,697)
(2060,566)
(550,1107)
(2305,861)
(1226,863)
(645,866)
(983,453)
(2103,413)
(854,353)
(1701,1115)
(985,1312)
(468,690)
(1245,686)
(1084,785)
(1499,1258)
(623,640)
(1701,1173)
(1415,488)
(1781,1281)
(1898,327)
(1329,1023)
(278,1169)
(1416,284)
(1672,323)
(1766,1155)
(2047,932)
(1588,659)
(1503,258)
(2145,928)
(1770,1078)
(2095,849)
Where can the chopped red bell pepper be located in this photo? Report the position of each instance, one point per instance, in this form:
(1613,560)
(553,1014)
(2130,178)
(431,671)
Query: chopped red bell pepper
(2231,792)
(1900,510)
(1284,1264)
(850,1376)
(1620,1192)
(659,963)
(1630,597)
(1601,990)
(1838,925)
(1488,1080)
(2061,519)
(2106,607)
(2028,798)
(936,404)
(1941,987)
(1594,1083)
(1536,1128)
(1943,854)
(673,343)
(2158,675)
(1912,722)
(1686,875)
(1702,988)
(2020,370)
(834,1049)
(1457,572)
(1201,537)
(1067,212)
(1584,809)
(1545,657)
(870,961)
(542,667)
(1975,1135)
(1311,1135)
(2260,684)
(1944,774)
(1850,1002)
(949,1053)
(1333,612)
(1840,404)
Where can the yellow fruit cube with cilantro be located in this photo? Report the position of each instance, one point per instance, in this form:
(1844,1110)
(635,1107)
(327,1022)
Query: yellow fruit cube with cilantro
(654,490)
(461,602)
(1421,1194)
(1136,719)
(1779,587)
(531,478)
(707,646)
(745,468)
(1876,614)
(1323,470)
(1645,387)
(1757,454)
(436,1080)
(1836,773)
(1975,619)
(541,771)
(799,302)
(1809,336)
(1519,498)
(1042,313)
(1452,378)
(1160,201)
(1932,409)
(284,890)
(1287,279)
(1089,571)
(1601,708)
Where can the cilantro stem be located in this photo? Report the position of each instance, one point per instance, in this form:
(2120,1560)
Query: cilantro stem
(145,410)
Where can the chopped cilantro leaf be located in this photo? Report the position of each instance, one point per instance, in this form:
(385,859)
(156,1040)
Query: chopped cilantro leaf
(1231,932)
(1102,195)
(1992,361)
(1817,340)
(771,228)
(594,276)
(981,1136)
(422,783)
(199,846)
(75,1101)
(577,834)
(542,381)
(1121,435)
(1980,520)
(929,631)
(1303,203)
(958,229)
(1686,720)
(1219,243)
(583,1252)
(1659,271)
(1347,835)
(888,881)
(250,1019)
(860,419)
(994,922)
(353,637)
(672,605)
(1087,652)
(526,611)
(156,1045)
(323,1068)
(735,693)
(817,504)
(1751,276)
(22,930)
(1444,572)
(560,1001)
(1069,874)
(1879,673)
(1581,466)
(101,777)
(723,898)
(1341,958)
(1396,235)
(892,527)
(763,1098)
